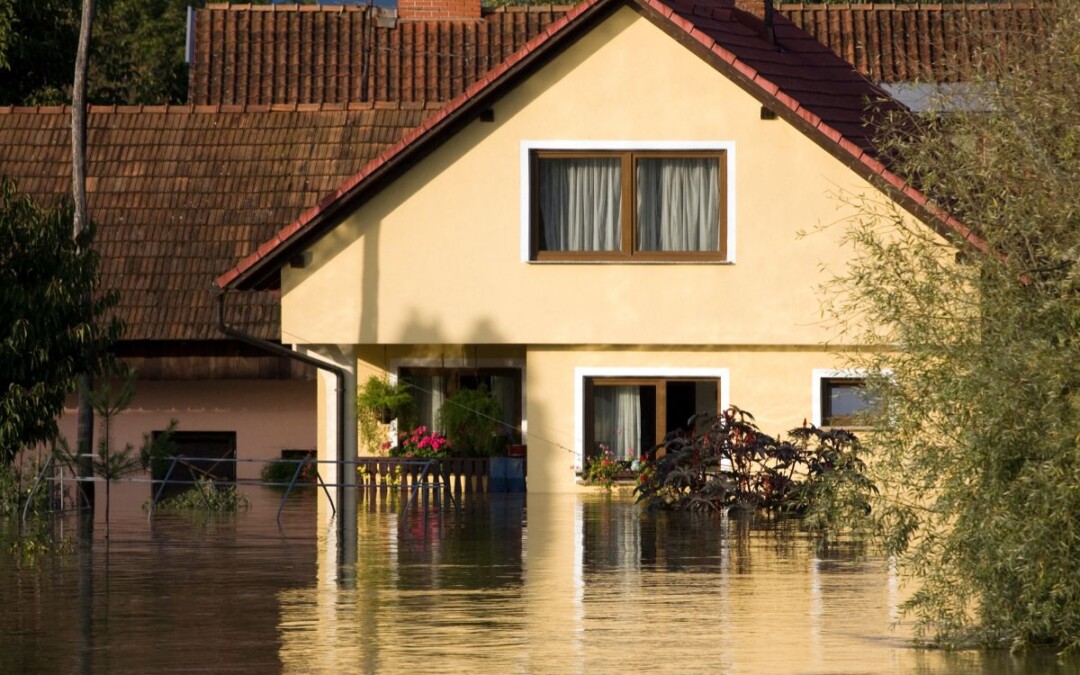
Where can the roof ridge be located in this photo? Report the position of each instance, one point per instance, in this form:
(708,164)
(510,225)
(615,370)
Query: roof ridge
(526,9)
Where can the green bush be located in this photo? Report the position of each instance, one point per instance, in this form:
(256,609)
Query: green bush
(470,418)
(206,496)
(727,463)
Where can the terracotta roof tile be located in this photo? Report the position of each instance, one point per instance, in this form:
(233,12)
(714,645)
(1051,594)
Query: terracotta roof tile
(274,54)
(893,43)
(182,193)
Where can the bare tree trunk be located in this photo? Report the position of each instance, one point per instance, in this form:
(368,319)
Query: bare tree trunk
(85,430)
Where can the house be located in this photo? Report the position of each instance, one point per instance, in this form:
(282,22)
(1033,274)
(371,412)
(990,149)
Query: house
(605,228)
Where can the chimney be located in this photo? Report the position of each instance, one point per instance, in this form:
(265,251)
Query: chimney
(763,11)
(430,10)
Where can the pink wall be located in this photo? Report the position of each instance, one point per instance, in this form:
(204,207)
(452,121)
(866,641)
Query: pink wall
(267,415)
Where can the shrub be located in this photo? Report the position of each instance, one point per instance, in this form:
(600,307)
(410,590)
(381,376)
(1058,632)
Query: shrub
(471,420)
(727,463)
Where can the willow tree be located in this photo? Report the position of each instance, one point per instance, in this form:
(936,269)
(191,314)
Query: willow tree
(979,444)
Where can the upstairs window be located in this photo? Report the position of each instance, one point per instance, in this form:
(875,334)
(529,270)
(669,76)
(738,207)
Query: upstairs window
(628,205)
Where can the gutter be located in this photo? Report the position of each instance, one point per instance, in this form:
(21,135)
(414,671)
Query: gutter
(279,350)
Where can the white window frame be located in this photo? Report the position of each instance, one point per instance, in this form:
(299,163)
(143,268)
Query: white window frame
(583,373)
(528,146)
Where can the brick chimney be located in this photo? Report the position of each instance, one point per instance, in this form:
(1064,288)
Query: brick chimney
(762,10)
(438,9)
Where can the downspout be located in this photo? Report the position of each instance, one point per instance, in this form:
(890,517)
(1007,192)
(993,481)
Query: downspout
(279,350)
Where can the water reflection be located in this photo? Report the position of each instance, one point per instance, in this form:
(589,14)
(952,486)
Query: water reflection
(557,583)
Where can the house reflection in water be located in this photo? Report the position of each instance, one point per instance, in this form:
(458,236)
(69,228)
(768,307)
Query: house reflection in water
(575,583)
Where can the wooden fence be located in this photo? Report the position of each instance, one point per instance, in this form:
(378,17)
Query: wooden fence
(463,475)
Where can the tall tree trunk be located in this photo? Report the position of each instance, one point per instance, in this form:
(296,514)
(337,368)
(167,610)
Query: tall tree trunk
(85,430)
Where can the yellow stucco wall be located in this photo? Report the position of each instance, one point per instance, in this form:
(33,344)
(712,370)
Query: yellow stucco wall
(436,256)
(773,383)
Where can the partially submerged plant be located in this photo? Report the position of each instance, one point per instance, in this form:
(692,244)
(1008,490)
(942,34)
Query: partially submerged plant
(725,462)
(206,495)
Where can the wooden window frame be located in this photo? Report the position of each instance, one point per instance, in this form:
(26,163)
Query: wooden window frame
(828,420)
(628,250)
(660,414)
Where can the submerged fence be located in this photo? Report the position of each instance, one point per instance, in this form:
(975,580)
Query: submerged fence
(446,481)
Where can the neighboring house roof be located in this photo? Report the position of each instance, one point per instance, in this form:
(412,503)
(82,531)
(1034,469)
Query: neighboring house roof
(321,54)
(895,43)
(179,193)
(259,54)
(797,77)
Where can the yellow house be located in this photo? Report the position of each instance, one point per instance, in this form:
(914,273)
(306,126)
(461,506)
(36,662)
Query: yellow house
(604,231)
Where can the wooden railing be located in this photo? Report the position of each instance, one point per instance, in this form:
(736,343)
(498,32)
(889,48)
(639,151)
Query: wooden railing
(463,475)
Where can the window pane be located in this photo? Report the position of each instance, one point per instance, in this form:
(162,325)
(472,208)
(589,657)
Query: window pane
(620,414)
(846,401)
(580,204)
(678,202)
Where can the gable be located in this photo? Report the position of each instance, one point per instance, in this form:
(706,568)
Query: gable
(436,256)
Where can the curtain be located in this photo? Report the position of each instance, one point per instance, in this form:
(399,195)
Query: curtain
(428,394)
(678,204)
(617,420)
(580,204)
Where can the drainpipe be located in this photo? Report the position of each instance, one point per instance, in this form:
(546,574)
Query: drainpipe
(278,350)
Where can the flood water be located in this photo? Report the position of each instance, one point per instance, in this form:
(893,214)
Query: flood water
(551,584)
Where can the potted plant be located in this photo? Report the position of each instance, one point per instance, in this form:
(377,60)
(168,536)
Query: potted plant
(386,400)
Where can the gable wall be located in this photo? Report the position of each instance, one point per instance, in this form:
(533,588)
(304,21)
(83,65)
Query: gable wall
(436,258)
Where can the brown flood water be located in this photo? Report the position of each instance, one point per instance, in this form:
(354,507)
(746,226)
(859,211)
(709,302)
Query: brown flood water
(551,584)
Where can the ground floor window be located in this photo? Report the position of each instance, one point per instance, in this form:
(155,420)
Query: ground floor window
(630,415)
(842,399)
(845,402)
(432,386)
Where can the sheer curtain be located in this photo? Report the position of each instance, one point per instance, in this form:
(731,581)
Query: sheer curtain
(678,204)
(504,389)
(617,420)
(580,204)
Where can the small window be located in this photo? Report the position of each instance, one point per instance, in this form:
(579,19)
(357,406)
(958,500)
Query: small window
(845,402)
(632,206)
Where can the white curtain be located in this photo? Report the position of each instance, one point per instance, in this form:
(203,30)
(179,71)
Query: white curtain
(678,204)
(617,420)
(580,204)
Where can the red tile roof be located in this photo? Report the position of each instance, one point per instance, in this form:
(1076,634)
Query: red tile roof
(894,43)
(179,193)
(312,54)
(800,79)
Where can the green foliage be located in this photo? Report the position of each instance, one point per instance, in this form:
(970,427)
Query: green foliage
(50,332)
(726,463)
(207,496)
(470,419)
(283,470)
(979,448)
(136,54)
(378,402)
(602,469)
